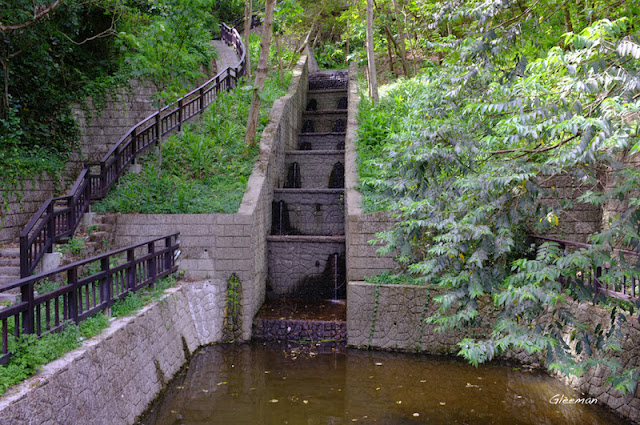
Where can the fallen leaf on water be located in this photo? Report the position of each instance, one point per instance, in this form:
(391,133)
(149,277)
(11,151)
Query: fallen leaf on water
(181,388)
(305,401)
(221,383)
(423,380)
(378,364)
(471,385)
(416,414)
(442,403)
(399,401)
(273,400)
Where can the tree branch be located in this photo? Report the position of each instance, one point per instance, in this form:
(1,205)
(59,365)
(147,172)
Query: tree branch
(36,18)
(548,148)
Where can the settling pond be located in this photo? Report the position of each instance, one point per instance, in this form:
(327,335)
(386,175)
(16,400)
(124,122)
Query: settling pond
(265,384)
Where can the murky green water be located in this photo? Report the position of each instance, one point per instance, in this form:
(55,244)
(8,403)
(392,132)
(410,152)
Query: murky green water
(257,384)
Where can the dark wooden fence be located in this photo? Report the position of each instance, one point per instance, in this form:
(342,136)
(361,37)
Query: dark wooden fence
(58,218)
(626,289)
(84,288)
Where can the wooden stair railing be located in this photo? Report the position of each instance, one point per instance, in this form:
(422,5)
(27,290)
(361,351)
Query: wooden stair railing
(59,217)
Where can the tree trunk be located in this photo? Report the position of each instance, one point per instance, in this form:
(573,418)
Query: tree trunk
(261,73)
(279,51)
(392,64)
(371,59)
(248,17)
(401,40)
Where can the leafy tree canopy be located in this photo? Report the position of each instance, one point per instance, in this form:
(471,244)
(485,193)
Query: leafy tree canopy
(526,90)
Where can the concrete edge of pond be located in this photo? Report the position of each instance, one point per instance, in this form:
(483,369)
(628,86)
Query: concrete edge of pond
(398,324)
(113,377)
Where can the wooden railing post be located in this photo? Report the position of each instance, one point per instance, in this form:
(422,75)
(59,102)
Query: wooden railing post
(106,289)
(217,83)
(72,279)
(134,143)
(26,292)
(51,228)
(596,282)
(71,205)
(103,179)
(131,270)
(152,271)
(25,258)
(180,114)
(168,257)
(158,128)
(201,91)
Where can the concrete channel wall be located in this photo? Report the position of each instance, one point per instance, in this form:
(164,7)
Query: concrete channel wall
(113,377)
(219,245)
(392,317)
(362,257)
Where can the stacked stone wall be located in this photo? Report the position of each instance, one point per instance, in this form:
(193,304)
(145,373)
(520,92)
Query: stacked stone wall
(363,259)
(100,129)
(113,377)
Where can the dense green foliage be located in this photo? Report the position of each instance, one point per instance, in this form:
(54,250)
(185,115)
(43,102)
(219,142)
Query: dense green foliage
(77,49)
(205,169)
(525,92)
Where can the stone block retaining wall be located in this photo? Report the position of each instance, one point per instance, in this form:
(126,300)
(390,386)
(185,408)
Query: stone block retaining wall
(218,245)
(311,212)
(362,257)
(113,377)
(315,168)
(100,130)
(321,141)
(398,324)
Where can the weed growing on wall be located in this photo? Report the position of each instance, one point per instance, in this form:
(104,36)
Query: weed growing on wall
(30,353)
(232,308)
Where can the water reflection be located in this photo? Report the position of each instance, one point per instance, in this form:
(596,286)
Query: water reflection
(275,384)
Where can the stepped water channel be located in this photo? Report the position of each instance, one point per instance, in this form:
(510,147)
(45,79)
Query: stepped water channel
(306,285)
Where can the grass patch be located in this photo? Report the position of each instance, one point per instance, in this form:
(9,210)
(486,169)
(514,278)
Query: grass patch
(29,353)
(205,169)
(135,301)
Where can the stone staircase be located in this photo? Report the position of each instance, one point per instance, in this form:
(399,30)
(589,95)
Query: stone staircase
(9,263)
(306,248)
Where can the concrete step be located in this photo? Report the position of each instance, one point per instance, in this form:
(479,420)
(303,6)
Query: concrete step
(308,212)
(314,169)
(99,236)
(324,121)
(4,279)
(323,100)
(321,141)
(10,270)
(327,80)
(307,267)
(10,262)
(9,252)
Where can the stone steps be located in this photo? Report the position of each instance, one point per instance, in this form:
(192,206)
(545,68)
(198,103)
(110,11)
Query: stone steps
(307,267)
(9,264)
(306,248)
(324,121)
(321,141)
(314,169)
(308,212)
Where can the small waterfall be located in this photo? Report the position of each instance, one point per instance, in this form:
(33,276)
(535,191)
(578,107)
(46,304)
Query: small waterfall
(293,176)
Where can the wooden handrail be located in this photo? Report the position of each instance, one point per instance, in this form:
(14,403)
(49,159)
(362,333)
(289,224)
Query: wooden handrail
(86,291)
(36,238)
(623,290)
